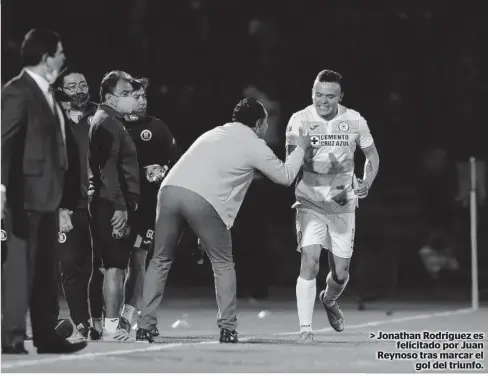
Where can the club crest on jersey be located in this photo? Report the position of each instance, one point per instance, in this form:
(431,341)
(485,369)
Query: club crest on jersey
(62,237)
(146,135)
(344,126)
(4,235)
(314,140)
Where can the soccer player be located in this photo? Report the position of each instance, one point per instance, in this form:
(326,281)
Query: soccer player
(113,188)
(327,195)
(74,238)
(157,152)
(205,190)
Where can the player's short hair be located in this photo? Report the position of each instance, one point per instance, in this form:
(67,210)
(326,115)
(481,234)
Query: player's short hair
(328,75)
(248,111)
(110,80)
(38,42)
(59,82)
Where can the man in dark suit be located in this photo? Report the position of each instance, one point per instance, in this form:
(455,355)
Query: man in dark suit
(34,163)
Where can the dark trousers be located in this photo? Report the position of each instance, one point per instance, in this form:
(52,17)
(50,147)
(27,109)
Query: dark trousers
(29,278)
(176,208)
(75,257)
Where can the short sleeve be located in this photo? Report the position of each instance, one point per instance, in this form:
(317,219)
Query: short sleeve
(365,138)
(292,130)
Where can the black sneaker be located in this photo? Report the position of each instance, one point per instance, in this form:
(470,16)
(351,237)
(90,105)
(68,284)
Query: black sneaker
(64,328)
(155,332)
(227,336)
(144,336)
(95,334)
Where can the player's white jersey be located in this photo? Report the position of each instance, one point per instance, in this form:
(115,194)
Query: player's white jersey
(328,167)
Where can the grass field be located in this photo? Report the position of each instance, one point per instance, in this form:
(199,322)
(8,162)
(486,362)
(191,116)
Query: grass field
(267,344)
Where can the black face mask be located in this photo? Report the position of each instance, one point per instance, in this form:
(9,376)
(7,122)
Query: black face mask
(78,100)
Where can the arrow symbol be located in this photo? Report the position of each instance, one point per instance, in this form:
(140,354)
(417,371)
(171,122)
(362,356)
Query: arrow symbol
(371,335)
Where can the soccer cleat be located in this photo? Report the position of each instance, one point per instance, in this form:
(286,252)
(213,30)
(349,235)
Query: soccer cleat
(82,331)
(306,337)
(334,313)
(144,336)
(227,336)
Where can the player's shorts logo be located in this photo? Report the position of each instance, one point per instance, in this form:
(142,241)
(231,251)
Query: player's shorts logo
(4,235)
(314,141)
(62,237)
(146,135)
(344,126)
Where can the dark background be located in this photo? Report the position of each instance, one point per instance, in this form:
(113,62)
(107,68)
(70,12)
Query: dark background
(416,70)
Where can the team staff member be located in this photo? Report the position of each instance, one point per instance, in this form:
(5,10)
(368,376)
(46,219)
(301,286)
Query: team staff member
(205,189)
(157,152)
(113,187)
(74,238)
(34,163)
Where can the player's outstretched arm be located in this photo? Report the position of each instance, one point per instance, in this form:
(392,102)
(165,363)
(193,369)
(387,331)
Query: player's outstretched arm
(371,168)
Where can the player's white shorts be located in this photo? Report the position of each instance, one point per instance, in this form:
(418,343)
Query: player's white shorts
(334,232)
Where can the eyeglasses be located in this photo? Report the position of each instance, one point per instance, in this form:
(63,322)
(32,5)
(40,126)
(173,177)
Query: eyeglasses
(83,86)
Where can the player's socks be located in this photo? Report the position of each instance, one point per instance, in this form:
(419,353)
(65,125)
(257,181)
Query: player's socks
(128,312)
(333,289)
(306,294)
(111,324)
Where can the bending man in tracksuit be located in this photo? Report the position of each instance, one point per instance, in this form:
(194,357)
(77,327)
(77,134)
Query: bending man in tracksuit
(205,190)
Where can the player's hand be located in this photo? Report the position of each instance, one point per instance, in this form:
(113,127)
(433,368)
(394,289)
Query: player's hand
(361,189)
(156,173)
(119,220)
(303,139)
(4,200)
(65,224)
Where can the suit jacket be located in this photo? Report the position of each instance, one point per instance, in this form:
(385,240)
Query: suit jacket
(33,154)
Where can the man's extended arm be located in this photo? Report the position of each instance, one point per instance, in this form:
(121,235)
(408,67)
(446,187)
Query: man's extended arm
(283,173)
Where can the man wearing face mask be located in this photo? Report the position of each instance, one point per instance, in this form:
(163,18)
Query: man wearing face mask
(74,238)
(157,152)
(34,163)
(113,188)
